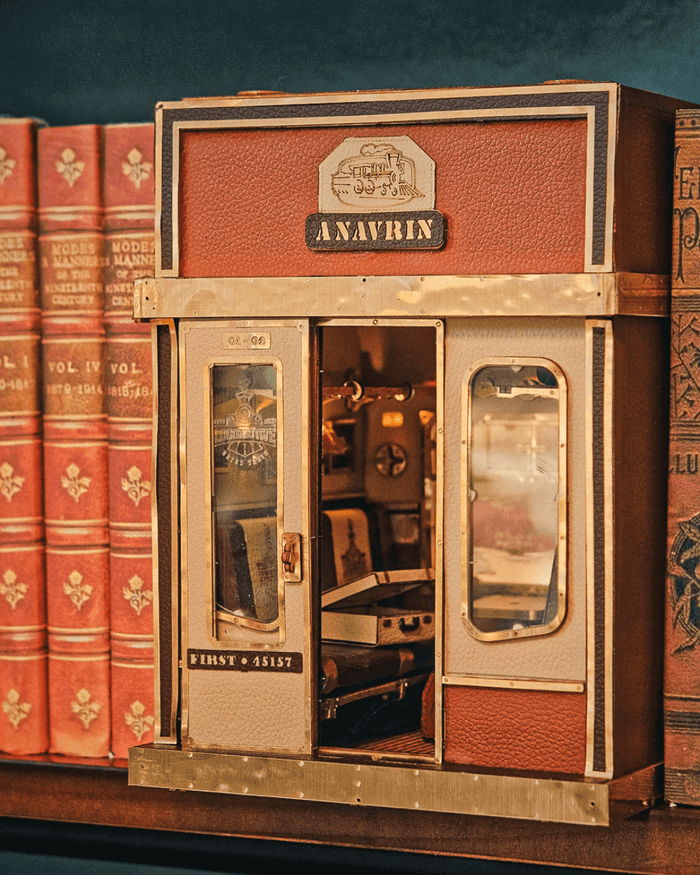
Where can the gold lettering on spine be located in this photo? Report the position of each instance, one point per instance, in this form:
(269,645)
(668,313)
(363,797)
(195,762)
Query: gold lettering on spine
(127,257)
(72,272)
(18,285)
(73,376)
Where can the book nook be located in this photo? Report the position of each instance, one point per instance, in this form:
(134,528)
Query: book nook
(348,474)
(412,448)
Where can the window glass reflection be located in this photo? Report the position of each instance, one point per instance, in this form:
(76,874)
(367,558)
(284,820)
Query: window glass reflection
(244,443)
(515,490)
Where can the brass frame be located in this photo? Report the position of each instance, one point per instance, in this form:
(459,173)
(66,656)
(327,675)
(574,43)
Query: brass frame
(257,625)
(398,785)
(466,527)
(515,684)
(578,294)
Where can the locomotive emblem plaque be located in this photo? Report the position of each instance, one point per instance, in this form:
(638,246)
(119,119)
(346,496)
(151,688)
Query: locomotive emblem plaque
(376,194)
(369,175)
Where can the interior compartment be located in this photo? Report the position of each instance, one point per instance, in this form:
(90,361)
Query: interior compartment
(377,539)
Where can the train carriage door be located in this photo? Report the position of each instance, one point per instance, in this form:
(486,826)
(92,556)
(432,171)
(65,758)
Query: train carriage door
(515,533)
(245,448)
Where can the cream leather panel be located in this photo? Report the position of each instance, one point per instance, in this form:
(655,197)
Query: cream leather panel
(562,654)
(244,710)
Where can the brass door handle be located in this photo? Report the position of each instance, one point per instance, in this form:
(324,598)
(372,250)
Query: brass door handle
(291,557)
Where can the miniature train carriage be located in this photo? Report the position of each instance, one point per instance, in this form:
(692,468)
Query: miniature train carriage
(410,353)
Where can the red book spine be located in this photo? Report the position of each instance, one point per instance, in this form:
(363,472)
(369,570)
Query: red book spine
(23,718)
(682,654)
(71,250)
(129,199)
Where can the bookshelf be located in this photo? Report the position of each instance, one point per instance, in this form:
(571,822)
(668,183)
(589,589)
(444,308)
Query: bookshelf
(663,840)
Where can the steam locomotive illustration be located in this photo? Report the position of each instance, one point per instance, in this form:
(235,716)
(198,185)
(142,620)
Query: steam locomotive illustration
(409,504)
(381,172)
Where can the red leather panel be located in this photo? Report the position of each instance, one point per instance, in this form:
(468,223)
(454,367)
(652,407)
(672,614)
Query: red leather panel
(513,195)
(533,730)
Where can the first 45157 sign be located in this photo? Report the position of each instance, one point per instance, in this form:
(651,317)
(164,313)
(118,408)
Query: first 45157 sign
(424,229)
(244,660)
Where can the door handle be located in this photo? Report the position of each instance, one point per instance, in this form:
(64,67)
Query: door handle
(291,557)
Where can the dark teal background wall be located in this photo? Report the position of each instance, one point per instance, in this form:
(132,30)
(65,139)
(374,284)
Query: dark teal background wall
(81,61)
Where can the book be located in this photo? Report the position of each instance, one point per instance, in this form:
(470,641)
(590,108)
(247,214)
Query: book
(129,200)
(71,253)
(23,690)
(682,648)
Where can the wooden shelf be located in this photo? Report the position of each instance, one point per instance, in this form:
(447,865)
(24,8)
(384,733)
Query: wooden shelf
(664,841)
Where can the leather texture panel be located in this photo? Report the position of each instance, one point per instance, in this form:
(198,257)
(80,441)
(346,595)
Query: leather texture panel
(515,729)
(562,654)
(513,194)
(643,177)
(238,710)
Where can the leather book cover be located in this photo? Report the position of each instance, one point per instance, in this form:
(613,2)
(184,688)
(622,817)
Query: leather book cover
(682,650)
(71,259)
(129,200)
(23,719)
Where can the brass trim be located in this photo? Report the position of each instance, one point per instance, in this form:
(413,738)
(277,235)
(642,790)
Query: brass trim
(158,179)
(599,549)
(577,294)
(394,785)
(310,443)
(165,725)
(515,684)
(439,564)
(466,525)
(183,517)
(384,96)
(278,625)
